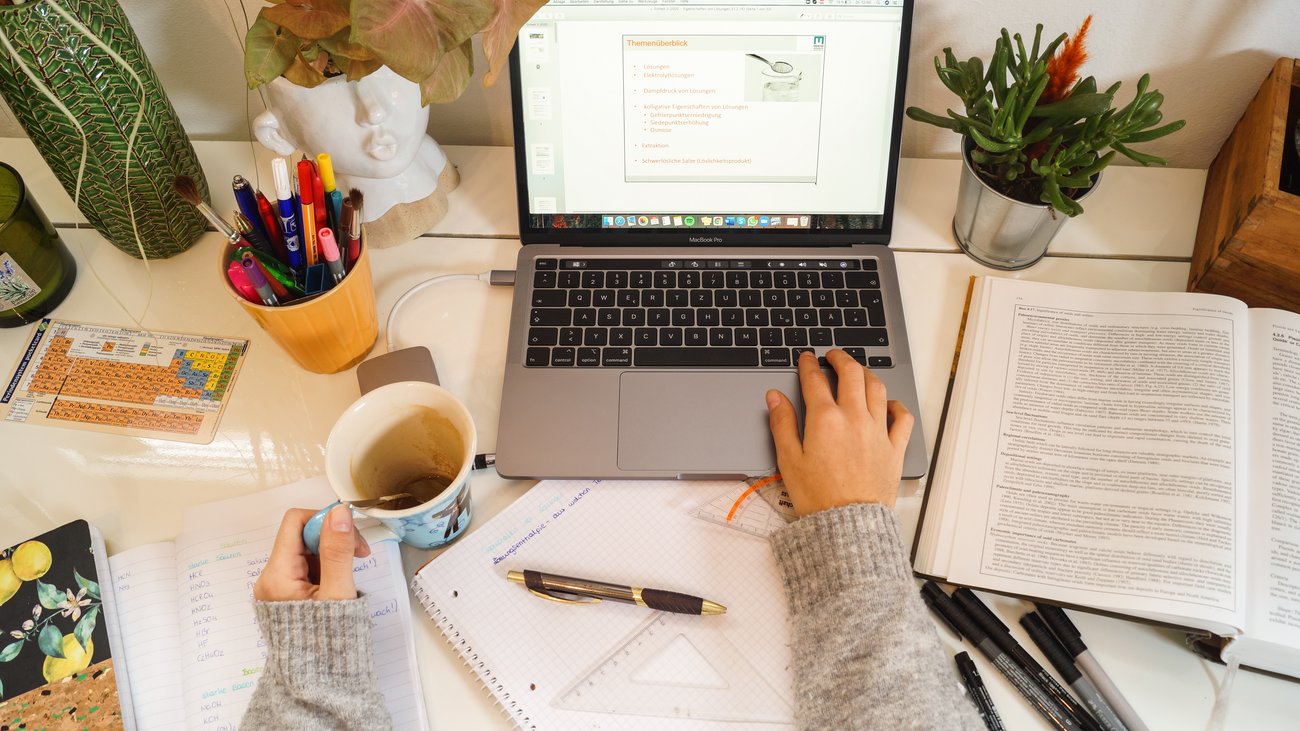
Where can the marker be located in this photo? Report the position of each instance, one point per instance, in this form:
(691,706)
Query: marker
(1072,640)
(318,198)
(1001,636)
(239,280)
(246,199)
(970,677)
(260,284)
(288,220)
(306,184)
(329,249)
(333,196)
(345,229)
(1060,659)
(953,615)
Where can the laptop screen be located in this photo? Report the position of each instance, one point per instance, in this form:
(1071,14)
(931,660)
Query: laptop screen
(699,122)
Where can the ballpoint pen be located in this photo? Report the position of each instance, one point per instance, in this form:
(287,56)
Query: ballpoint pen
(329,251)
(250,233)
(964,626)
(306,184)
(246,199)
(288,219)
(272,225)
(333,196)
(1001,636)
(562,588)
(259,281)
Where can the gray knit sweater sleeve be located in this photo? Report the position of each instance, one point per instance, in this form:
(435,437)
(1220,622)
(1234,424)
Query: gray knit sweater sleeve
(320,668)
(866,655)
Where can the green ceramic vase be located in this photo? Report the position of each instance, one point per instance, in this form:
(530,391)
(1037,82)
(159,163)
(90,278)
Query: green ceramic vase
(105,99)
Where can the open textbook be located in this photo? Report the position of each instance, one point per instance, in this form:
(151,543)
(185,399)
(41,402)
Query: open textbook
(190,637)
(1138,453)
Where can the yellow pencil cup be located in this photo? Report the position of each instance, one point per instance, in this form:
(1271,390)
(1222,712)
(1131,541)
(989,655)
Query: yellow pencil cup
(326,333)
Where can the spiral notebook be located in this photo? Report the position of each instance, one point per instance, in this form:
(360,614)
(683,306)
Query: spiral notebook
(619,666)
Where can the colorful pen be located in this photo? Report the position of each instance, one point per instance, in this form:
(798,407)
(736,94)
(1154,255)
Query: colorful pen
(333,196)
(240,282)
(260,284)
(318,198)
(272,226)
(246,199)
(288,219)
(329,251)
(306,184)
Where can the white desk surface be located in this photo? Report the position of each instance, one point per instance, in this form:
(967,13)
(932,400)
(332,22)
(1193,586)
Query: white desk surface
(1137,235)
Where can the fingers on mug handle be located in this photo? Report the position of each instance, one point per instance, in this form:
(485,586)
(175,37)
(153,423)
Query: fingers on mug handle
(337,547)
(312,528)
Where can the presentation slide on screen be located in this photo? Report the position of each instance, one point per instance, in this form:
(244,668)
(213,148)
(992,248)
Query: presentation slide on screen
(722,108)
(740,115)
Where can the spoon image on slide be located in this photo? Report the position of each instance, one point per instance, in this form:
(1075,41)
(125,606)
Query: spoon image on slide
(780,67)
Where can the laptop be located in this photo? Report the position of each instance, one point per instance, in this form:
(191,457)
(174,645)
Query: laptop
(705,190)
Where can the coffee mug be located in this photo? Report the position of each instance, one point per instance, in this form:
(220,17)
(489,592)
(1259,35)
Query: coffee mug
(406,437)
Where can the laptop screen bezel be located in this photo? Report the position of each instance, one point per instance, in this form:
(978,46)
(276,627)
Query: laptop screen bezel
(529,234)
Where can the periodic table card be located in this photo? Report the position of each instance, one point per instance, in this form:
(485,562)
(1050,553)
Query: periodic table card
(121,381)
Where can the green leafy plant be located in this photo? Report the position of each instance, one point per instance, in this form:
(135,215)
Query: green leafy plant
(426,41)
(1037,133)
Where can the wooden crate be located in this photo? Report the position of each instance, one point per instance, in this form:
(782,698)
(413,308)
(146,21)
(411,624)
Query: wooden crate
(1248,239)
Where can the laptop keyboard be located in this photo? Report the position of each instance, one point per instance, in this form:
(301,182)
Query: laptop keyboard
(624,313)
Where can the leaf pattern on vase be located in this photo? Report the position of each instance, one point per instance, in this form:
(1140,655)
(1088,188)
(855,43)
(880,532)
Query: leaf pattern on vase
(105,100)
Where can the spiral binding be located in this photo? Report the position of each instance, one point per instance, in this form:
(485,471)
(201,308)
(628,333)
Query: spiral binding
(486,679)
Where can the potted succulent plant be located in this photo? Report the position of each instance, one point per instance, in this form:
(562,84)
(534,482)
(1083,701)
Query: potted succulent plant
(354,77)
(1035,140)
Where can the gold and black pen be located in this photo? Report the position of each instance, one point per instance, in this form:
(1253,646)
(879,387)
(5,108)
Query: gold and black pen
(564,588)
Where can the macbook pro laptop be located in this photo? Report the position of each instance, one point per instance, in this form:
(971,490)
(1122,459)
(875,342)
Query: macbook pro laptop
(705,190)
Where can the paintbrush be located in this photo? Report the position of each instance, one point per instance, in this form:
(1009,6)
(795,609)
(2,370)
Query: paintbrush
(354,230)
(186,188)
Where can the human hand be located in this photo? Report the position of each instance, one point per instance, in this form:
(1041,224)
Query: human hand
(293,573)
(850,452)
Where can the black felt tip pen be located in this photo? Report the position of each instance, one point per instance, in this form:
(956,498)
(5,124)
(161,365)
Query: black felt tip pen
(1001,636)
(566,588)
(943,605)
(1060,659)
(970,677)
(1065,631)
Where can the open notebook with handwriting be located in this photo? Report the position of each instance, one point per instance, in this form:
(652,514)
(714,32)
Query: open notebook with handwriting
(188,630)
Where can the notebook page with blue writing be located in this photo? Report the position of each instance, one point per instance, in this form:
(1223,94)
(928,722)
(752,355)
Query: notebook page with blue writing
(618,666)
(219,650)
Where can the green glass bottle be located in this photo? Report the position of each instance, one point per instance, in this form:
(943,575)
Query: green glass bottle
(36,269)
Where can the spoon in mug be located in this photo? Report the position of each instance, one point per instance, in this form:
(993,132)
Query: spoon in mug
(376,502)
(780,67)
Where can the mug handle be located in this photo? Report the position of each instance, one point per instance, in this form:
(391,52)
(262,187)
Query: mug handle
(311,531)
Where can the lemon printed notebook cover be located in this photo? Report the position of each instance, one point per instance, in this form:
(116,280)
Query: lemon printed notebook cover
(56,661)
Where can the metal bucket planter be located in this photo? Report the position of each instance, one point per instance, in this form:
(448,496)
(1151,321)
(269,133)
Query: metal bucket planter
(1002,232)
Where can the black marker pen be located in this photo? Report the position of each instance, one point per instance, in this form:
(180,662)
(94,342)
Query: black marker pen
(1001,636)
(943,605)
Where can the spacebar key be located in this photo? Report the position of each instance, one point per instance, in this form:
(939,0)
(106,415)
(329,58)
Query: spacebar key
(695,357)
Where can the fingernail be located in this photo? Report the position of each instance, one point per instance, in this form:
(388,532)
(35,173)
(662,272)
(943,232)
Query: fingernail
(341,519)
(772,400)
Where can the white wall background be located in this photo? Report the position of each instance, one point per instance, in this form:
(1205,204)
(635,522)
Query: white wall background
(1207,56)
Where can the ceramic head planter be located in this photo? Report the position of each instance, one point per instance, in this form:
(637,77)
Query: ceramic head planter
(374,131)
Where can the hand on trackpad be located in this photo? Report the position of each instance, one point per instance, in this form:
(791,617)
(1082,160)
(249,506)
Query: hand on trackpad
(698,422)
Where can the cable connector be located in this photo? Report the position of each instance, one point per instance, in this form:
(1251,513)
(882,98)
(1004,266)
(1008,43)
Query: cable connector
(501,277)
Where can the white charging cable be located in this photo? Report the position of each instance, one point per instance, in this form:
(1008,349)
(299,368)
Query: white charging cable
(495,277)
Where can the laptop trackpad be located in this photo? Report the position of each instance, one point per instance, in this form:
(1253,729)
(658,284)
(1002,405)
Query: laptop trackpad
(698,422)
